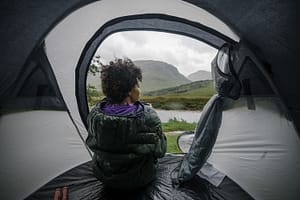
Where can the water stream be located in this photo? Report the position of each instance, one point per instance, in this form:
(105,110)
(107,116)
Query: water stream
(189,116)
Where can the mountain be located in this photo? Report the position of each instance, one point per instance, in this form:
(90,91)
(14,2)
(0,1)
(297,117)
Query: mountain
(200,75)
(196,88)
(158,75)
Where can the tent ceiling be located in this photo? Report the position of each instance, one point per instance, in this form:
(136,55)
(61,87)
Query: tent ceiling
(270,27)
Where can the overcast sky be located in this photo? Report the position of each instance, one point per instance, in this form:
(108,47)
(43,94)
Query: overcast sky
(187,54)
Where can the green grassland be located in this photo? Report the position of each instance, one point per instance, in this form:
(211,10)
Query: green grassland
(192,96)
(177,103)
(172,146)
(93,95)
(175,125)
(195,89)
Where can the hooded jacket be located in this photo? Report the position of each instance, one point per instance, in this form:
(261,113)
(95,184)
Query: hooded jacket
(125,148)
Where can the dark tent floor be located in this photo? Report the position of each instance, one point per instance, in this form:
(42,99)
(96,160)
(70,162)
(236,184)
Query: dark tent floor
(82,184)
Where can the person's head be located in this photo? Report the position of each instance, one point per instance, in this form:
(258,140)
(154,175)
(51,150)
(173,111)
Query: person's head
(120,80)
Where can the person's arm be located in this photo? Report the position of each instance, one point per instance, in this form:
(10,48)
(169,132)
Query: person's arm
(91,140)
(161,141)
(161,146)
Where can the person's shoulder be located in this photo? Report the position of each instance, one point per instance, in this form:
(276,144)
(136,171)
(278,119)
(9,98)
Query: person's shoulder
(150,113)
(96,110)
(147,106)
(98,106)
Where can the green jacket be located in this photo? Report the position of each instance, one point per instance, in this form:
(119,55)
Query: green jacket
(125,148)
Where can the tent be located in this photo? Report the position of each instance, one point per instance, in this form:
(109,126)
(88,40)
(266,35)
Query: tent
(46,47)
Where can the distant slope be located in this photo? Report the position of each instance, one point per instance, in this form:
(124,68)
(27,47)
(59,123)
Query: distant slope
(197,88)
(158,75)
(200,75)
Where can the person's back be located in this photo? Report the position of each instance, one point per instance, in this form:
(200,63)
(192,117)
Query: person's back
(124,134)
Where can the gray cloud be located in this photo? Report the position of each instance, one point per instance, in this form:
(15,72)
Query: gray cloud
(136,37)
(187,54)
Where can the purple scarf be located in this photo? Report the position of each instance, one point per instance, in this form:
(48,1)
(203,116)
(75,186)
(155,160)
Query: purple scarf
(119,110)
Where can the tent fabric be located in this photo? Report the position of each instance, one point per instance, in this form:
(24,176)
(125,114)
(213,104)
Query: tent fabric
(267,154)
(184,141)
(205,136)
(36,147)
(253,81)
(211,174)
(63,47)
(34,89)
(82,184)
(262,144)
(227,84)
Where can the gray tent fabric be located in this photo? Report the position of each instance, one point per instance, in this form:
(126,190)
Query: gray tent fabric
(205,137)
(82,184)
(35,87)
(227,83)
(42,43)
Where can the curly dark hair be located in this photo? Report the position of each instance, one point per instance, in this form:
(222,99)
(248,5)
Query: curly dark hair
(118,78)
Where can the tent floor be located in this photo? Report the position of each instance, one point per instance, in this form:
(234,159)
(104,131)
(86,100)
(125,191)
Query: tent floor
(82,184)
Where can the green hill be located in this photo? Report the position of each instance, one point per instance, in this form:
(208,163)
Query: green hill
(158,75)
(163,86)
(195,89)
(192,96)
(200,75)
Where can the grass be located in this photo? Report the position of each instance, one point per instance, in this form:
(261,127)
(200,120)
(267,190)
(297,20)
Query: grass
(175,125)
(194,89)
(172,146)
(177,103)
(93,95)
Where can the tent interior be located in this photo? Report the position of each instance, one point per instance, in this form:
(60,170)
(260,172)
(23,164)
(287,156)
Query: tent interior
(46,50)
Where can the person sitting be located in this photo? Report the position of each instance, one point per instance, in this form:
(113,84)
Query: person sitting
(124,134)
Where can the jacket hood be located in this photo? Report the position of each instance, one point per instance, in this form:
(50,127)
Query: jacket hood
(136,113)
